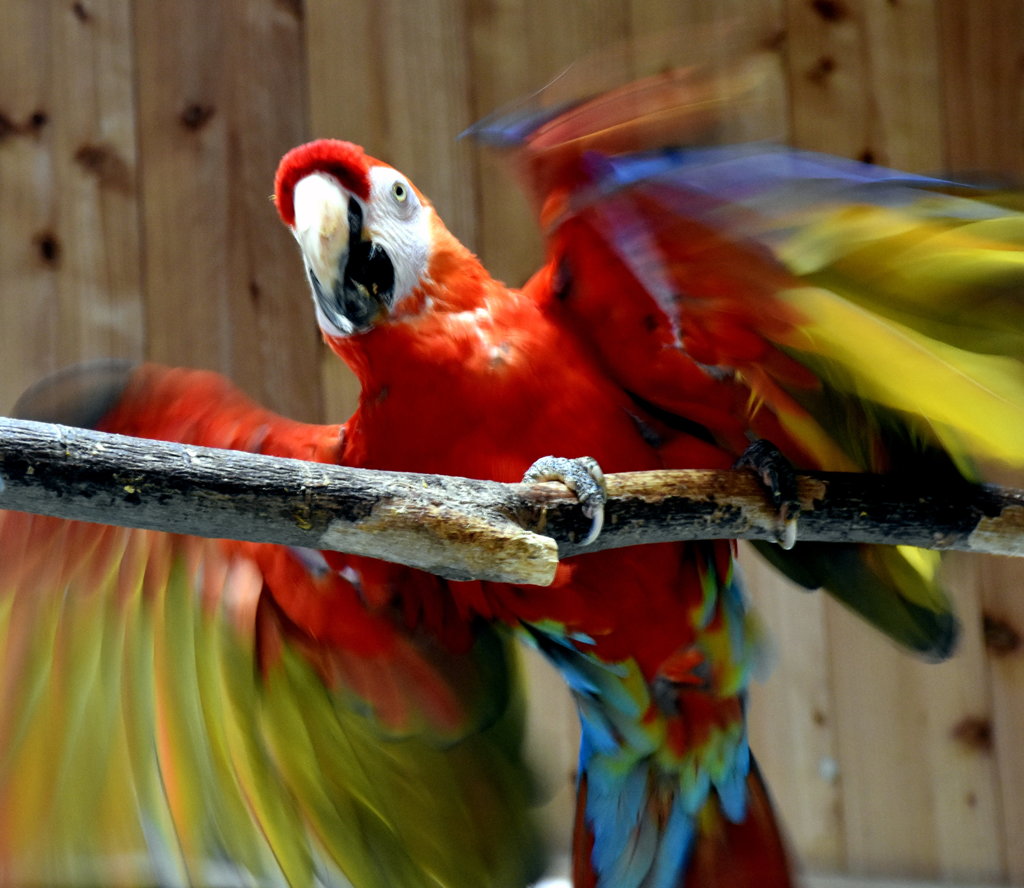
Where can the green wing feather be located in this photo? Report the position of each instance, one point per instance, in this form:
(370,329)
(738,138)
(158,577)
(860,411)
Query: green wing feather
(162,721)
(153,731)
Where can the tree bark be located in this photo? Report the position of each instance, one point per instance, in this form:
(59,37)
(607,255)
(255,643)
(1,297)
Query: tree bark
(462,528)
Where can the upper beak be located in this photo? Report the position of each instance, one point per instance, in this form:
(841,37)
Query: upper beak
(352,278)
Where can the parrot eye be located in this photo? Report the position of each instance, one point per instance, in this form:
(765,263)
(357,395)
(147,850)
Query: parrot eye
(399,192)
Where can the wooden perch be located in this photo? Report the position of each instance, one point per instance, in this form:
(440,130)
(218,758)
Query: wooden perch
(458,527)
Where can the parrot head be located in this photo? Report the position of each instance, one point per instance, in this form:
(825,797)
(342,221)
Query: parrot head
(366,233)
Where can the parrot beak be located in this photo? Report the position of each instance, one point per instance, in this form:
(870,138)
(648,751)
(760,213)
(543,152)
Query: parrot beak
(352,278)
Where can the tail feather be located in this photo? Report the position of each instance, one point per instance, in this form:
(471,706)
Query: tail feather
(749,853)
(583,873)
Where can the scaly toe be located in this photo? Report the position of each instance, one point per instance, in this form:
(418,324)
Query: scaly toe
(583,476)
(778,476)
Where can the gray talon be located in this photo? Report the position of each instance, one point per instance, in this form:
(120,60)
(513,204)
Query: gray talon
(583,476)
(778,476)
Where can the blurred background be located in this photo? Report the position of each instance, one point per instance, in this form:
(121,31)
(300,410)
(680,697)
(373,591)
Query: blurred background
(138,142)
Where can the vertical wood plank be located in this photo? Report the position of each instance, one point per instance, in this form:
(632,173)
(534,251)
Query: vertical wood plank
(183,124)
(96,178)
(69,248)
(507,68)
(983,65)
(1000,585)
(269,103)
(905,97)
(791,717)
(959,741)
(865,80)
(827,73)
(879,714)
(221,97)
(919,789)
(29,255)
(697,31)
(394,79)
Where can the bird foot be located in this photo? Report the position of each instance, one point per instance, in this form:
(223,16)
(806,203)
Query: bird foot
(778,476)
(583,476)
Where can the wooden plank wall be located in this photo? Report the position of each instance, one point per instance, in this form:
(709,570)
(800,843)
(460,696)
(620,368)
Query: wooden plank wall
(137,147)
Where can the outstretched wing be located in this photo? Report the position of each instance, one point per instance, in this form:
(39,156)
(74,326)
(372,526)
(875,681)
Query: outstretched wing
(858,317)
(178,710)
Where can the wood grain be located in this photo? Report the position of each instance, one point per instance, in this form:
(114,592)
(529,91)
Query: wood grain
(96,176)
(221,97)
(69,239)
(983,64)
(792,719)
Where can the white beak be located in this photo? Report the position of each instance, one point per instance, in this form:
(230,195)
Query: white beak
(321,226)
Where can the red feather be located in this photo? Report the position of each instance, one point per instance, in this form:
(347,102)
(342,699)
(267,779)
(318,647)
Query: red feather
(345,161)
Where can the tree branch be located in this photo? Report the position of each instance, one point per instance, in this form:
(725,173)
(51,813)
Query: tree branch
(457,527)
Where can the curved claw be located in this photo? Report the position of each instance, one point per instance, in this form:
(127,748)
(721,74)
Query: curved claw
(786,532)
(776,473)
(583,476)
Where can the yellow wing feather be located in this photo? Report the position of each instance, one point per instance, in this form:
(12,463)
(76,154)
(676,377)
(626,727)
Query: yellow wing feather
(972,403)
(155,727)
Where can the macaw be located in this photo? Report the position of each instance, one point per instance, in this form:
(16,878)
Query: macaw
(692,300)
(317,715)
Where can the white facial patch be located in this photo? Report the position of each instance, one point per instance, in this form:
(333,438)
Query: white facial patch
(397,222)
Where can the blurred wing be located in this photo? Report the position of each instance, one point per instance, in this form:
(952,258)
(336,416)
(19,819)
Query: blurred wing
(858,317)
(172,712)
(902,295)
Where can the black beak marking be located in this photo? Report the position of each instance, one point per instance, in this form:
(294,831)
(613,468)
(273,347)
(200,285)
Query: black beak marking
(365,283)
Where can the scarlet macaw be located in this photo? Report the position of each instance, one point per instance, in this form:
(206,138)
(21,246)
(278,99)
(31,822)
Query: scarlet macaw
(691,299)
